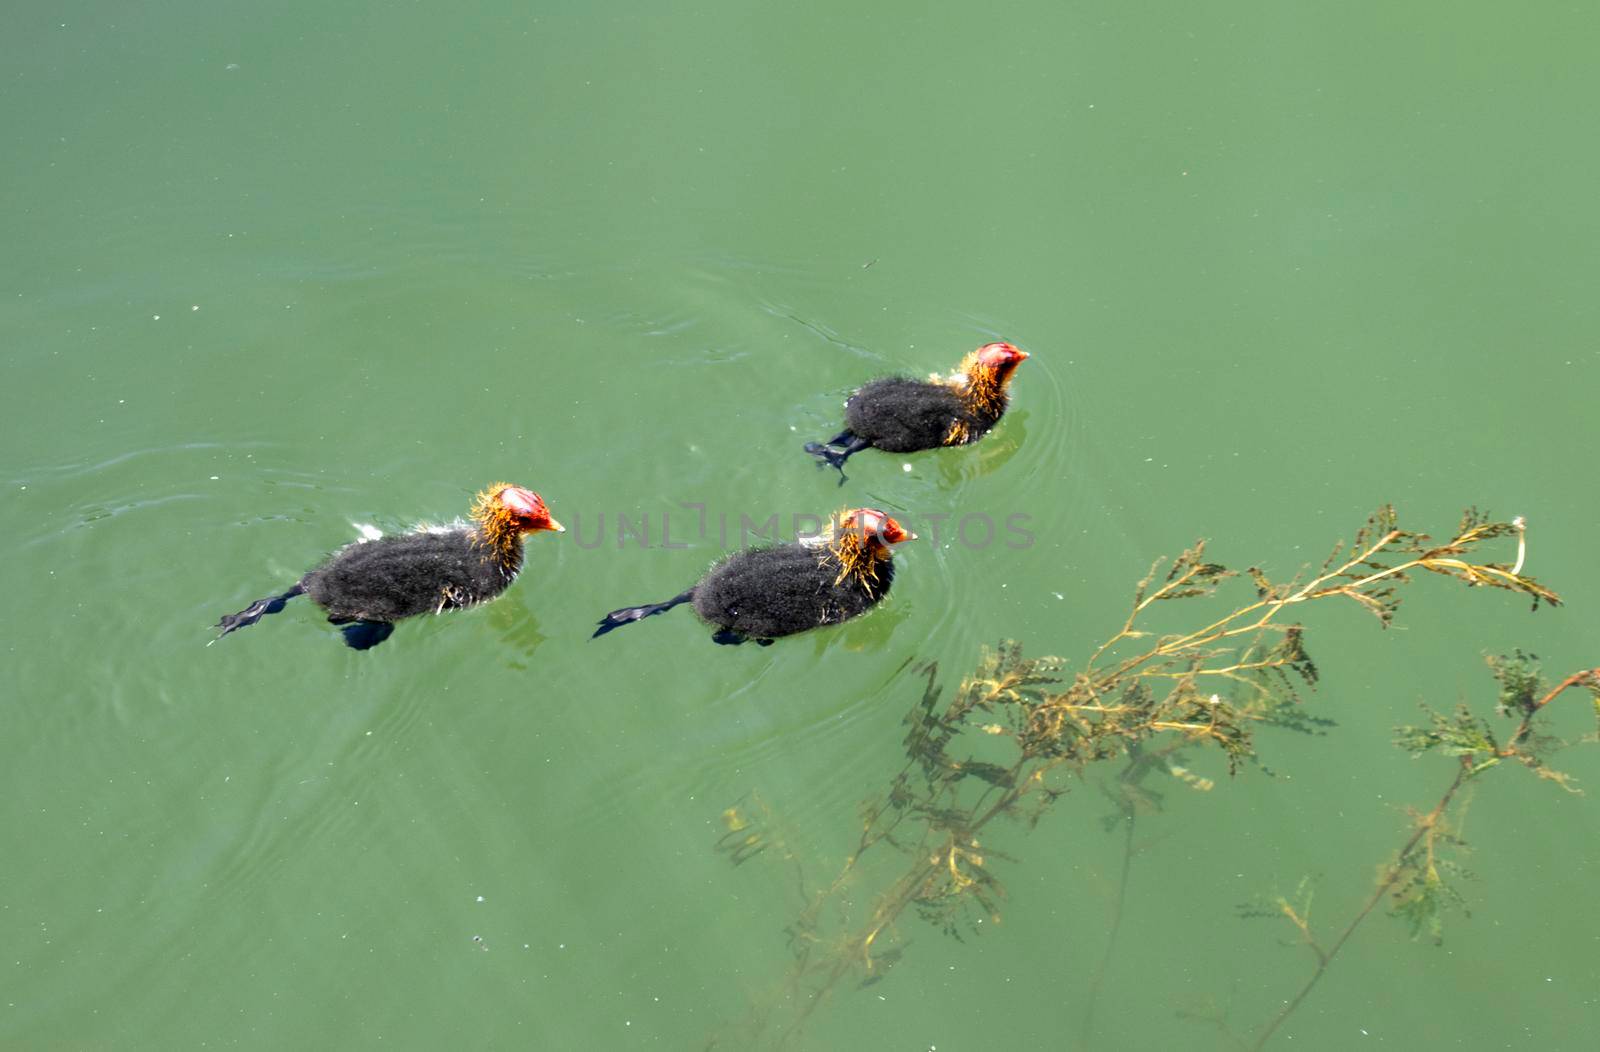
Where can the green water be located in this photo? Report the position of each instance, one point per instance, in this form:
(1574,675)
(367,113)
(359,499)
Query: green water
(271,270)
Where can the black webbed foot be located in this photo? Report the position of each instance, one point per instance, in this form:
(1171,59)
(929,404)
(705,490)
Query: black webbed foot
(629,614)
(256,611)
(728,637)
(837,450)
(363,635)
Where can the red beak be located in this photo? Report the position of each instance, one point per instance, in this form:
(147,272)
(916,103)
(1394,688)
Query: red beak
(879,525)
(530,506)
(894,533)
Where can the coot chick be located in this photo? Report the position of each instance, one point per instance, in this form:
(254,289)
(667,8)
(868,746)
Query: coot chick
(900,415)
(764,593)
(369,585)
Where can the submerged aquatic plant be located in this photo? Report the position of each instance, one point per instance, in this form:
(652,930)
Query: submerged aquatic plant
(1419,881)
(1018,731)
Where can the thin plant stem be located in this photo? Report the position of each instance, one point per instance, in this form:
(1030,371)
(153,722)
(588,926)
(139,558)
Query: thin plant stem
(1426,826)
(1325,957)
(1130,817)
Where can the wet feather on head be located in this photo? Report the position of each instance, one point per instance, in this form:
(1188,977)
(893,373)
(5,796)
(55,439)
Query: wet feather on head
(983,376)
(859,539)
(503,512)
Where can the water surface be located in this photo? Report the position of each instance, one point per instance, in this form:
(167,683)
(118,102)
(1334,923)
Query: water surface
(275,271)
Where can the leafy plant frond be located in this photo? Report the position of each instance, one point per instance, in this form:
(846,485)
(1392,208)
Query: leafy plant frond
(1520,682)
(1423,890)
(1461,734)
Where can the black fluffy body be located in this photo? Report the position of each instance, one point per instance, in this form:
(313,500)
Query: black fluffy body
(901,415)
(419,573)
(367,586)
(764,593)
(898,414)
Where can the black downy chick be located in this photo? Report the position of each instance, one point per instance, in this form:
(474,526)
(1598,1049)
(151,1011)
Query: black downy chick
(369,585)
(900,415)
(764,593)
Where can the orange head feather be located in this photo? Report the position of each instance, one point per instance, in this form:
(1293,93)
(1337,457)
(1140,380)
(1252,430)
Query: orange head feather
(987,372)
(860,538)
(504,513)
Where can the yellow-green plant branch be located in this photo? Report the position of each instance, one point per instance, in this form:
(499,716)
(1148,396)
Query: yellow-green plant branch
(1272,606)
(1589,677)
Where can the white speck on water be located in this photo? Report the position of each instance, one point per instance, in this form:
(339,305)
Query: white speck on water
(216,478)
(195,307)
(155,317)
(480,898)
(230,67)
(1058,595)
(906,468)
